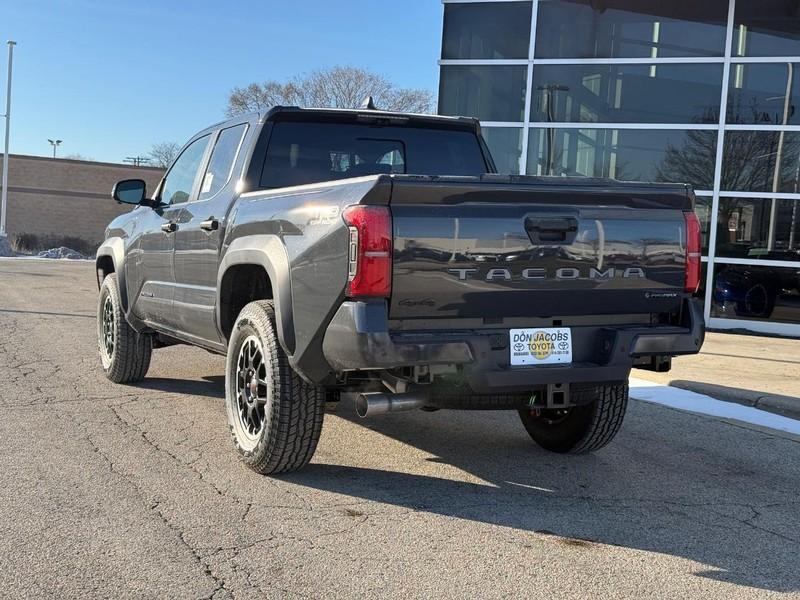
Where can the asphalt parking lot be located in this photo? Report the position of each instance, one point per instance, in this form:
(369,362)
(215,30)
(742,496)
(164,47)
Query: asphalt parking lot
(115,491)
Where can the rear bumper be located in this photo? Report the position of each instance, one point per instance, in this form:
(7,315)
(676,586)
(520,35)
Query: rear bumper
(358,338)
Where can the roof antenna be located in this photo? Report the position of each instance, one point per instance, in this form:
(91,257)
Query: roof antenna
(368,104)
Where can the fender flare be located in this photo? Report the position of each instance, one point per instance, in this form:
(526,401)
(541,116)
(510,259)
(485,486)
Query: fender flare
(114,248)
(268,252)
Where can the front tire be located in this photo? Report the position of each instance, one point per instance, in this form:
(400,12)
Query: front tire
(579,429)
(274,415)
(124,353)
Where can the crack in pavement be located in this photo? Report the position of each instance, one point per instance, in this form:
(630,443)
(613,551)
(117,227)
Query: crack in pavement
(458,528)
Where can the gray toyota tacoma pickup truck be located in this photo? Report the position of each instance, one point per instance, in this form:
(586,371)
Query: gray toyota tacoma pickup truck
(377,257)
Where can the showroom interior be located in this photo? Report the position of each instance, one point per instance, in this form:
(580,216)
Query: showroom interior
(683,91)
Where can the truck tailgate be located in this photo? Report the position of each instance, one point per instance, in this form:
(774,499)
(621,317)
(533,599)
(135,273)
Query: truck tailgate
(496,247)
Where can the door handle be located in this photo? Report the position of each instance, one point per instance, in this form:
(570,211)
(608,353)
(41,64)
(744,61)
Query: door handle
(210,224)
(169,227)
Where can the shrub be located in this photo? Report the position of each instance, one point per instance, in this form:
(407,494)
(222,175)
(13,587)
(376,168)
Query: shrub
(31,243)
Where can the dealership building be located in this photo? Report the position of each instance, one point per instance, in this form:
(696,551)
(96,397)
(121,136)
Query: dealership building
(697,91)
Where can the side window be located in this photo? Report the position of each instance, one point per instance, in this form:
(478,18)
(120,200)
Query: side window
(180,179)
(222,160)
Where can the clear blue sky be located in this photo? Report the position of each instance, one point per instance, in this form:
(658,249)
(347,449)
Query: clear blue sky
(112,77)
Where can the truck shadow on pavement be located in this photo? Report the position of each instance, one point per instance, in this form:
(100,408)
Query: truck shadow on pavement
(720,495)
(210,386)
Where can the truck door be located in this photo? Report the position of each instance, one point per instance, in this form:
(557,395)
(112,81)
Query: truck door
(200,232)
(152,262)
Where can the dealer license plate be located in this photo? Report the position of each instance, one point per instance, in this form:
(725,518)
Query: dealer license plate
(541,346)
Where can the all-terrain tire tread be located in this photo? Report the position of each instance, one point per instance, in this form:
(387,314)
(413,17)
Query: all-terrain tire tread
(298,406)
(606,418)
(591,423)
(472,401)
(132,350)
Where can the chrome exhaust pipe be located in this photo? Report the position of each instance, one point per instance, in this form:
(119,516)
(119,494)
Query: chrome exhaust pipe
(369,404)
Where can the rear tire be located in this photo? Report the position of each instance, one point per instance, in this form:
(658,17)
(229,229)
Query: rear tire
(275,416)
(579,429)
(124,353)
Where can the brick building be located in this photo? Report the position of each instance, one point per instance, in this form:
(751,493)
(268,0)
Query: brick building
(53,198)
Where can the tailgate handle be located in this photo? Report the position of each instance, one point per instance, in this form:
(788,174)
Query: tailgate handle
(551,229)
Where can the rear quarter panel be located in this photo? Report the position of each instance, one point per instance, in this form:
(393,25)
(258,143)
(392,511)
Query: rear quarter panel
(307,222)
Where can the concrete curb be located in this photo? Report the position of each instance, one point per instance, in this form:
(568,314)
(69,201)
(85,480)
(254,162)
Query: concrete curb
(786,406)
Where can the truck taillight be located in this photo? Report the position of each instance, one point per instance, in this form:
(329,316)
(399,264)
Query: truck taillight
(369,262)
(693,242)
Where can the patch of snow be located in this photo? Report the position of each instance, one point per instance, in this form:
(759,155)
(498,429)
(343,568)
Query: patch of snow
(61,252)
(706,405)
(5,247)
(29,257)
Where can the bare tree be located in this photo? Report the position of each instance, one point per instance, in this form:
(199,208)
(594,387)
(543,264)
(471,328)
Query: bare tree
(337,87)
(691,162)
(163,153)
(750,159)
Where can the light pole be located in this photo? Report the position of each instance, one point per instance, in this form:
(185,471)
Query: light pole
(776,176)
(550,91)
(4,198)
(55,144)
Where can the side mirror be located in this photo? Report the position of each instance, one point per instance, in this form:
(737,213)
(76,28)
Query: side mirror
(130,191)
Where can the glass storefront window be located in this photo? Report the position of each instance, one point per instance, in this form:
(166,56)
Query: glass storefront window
(576,89)
(757,94)
(630,29)
(761,161)
(758,229)
(766,28)
(702,208)
(490,93)
(757,293)
(701,290)
(626,154)
(627,93)
(486,30)
(505,144)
